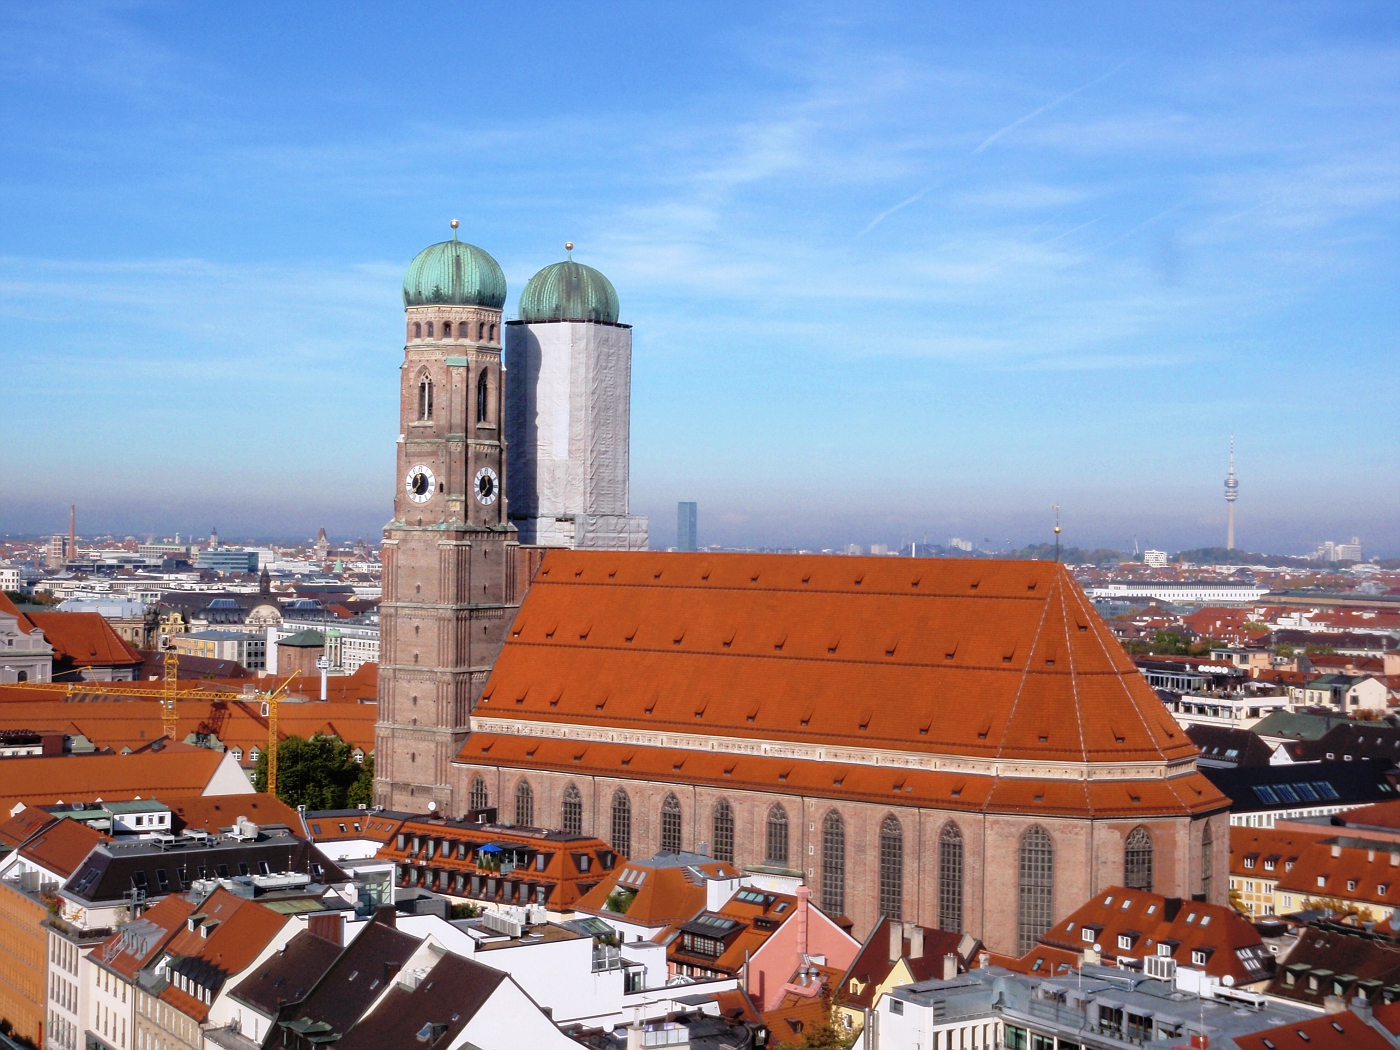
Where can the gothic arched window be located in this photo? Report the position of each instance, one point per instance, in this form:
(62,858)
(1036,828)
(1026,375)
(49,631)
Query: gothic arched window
(493,333)
(1036,888)
(723,822)
(775,839)
(891,869)
(1137,860)
(430,329)
(671,824)
(417,330)
(524,804)
(571,819)
(622,823)
(1207,862)
(477,797)
(481,331)
(950,879)
(425,398)
(481,399)
(833,864)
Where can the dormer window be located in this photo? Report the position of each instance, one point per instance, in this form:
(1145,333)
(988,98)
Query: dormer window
(1351,885)
(1249,862)
(1198,958)
(1086,935)
(1125,941)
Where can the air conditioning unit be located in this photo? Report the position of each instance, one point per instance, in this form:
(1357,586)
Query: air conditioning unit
(1159,967)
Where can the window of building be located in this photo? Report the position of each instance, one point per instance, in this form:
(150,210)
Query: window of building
(1198,958)
(417,330)
(425,398)
(622,823)
(671,824)
(1207,861)
(1137,860)
(430,329)
(833,864)
(524,804)
(477,797)
(775,839)
(950,879)
(481,397)
(446,329)
(1036,887)
(723,831)
(571,819)
(891,869)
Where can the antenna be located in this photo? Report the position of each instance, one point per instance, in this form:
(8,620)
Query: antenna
(1056,508)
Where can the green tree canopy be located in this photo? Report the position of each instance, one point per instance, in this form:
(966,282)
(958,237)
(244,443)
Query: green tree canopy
(319,773)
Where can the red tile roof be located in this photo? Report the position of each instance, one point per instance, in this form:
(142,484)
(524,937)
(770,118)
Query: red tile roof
(758,645)
(238,930)
(85,640)
(61,847)
(212,812)
(662,895)
(174,771)
(1232,947)
(1265,845)
(1192,794)
(1366,874)
(125,952)
(1339,1031)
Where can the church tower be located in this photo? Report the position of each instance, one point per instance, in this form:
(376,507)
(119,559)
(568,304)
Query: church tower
(449,585)
(569,413)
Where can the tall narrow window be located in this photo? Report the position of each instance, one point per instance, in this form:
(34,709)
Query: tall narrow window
(447,329)
(833,865)
(493,333)
(775,839)
(622,823)
(671,825)
(1137,860)
(524,804)
(950,879)
(481,330)
(477,797)
(425,399)
(1036,888)
(1207,861)
(481,387)
(891,869)
(571,819)
(430,329)
(417,330)
(723,831)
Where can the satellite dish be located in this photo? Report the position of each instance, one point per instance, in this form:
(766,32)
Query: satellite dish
(432,807)
(1228,980)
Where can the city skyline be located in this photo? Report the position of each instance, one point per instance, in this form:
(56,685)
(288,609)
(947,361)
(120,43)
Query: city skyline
(897,277)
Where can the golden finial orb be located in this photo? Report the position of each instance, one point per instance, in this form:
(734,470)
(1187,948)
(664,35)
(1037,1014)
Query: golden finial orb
(568,246)
(454,224)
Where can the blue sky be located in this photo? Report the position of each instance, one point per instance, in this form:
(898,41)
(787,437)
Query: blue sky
(894,270)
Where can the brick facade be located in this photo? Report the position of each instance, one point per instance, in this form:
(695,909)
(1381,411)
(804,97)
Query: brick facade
(449,556)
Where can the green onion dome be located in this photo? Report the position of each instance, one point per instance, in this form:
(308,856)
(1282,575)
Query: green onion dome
(569,291)
(454,273)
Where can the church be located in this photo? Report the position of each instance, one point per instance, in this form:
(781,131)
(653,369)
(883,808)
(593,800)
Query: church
(960,743)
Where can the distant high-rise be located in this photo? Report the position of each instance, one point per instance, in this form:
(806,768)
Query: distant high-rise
(1232,486)
(687,516)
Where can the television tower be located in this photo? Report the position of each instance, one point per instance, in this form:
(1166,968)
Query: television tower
(1232,493)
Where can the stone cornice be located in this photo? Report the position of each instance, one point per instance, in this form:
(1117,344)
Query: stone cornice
(992,767)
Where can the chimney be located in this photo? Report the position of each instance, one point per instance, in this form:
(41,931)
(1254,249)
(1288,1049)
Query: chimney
(950,966)
(1171,907)
(385,914)
(1361,1006)
(391,969)
(804,903)
(327,926)
(916,941)
(896,941)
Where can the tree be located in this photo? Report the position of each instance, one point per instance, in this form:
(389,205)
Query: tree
(319,773)
(830,1033)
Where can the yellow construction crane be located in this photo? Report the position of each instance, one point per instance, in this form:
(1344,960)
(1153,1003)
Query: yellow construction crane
(169,717)
(273,699)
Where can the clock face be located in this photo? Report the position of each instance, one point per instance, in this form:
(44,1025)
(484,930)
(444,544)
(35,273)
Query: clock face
(420,483)
(488,486)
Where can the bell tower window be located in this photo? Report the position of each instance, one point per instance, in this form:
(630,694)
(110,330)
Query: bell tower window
(430,329)
(417,330)
(425,399)
(447,329)
(481,398)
